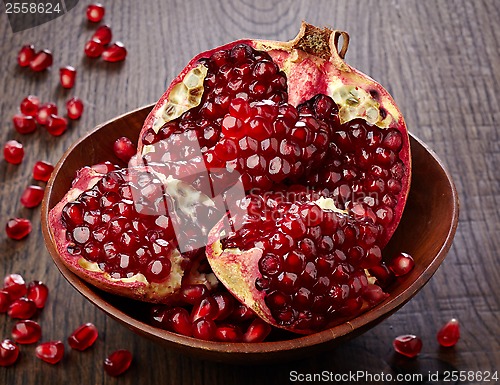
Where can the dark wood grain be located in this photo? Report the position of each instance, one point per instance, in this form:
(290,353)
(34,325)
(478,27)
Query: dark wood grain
(440,60)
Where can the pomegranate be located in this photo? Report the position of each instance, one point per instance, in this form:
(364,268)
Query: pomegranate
(401,264)
(408,345)
(26,332)
(103,34)
(29,105)
(83,337)
(13,152)
(74,108)
(56,125)
(24,124)
(15,286)
(94,48)
(22,308)
(124,149)
(118,362)
(9,352)
(5,301)
(41,61)
(51,351)
(67,76)
(25,55)
(32,196)
(18,228)
(42,171)
(38,293)
(95,12)
(449,334)
(115,52)
(44,113)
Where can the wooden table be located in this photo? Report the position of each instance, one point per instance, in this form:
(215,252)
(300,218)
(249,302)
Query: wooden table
(440,60)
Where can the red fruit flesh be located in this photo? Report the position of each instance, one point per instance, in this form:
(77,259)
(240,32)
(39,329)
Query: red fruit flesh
(115,52)
(15,286)
(9,352)
(67,76)
(124,149)
(401,264)
(41,61)
(22,308)
(13,152)
(26,332)
(18,228)
(83,337)
(42,171)
(449,334)
(32,196)
(203,329)
(118,362)
(29,105)
(257,331)
(74,107)
(25,55)
(56,125)
(51,352)
(103,34)
(44,113)
(38,292)
(407,345)
(24,124)
(94,48)
(5,301)
(95,12)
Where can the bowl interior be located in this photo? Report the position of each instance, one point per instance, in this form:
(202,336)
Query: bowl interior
(426,232)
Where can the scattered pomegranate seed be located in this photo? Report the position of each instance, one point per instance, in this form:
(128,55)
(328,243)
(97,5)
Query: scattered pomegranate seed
(29,105)
(5,301)
(44,113)
(57,125)
(225,305)
(24,124)
(103,34)
(41,61)
(206,308)
(94,48)
(14,285)
(257,331)
(115,52)
(401,264)
(95,12)
(228,333)
(407,345)
(124,149)
(179,321)
(51,352)
(83,337)
(204,329)
(118,362)
(18,228)
(25,55)
(22,308)
(74,107)
(42,171)
(13,152)
(26,332)
(38,293)
(449,334)
(193,293)
(32,196)
(67,76)
(8,353)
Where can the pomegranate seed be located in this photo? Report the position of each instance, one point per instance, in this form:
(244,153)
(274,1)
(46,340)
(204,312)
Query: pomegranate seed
(74,107)
(83,337)
(5,301)
(26,332)
(95,12)
(242,313)
(449,334)
(32,196)
(402,264)
(51,352)
(25,55)
(57,125)
(115,52)
(29,105)
(44,113)
(257,331)
(124,149)
(204,329)
(22,308)
(94,48)
(118,362)
(42,171)
(179,321)
(225,305)
(24,124)
(8,353)
(41,61)
(14,285)
(194,293)
(67,76)
(13,152)
(18,228)
(206,308)
(103,34)
(38,293)
(407,345)
(228,333)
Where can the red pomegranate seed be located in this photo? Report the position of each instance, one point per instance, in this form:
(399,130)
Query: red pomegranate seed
(95,12)
(13,152)
(179,321)
(83,337)
(42,171)
(94,48)
(401,264)
(51,351)
(32,196)
(57,125)
(44,113)
(74,107)
(407,345)
(18,228)
(225,305)
(118,362)
(14,285)
(449,334)
(228,333)
(5,301)
(115,52)
(194,293)
(29,105)
(41,61)
(103,34)
(24,124)
(204,329)
(25,55)
(9,352)
(22,308)
(206,308)
(38,293)
(257,331)
(67,76)
(242,313)
(124,149)
(26,332)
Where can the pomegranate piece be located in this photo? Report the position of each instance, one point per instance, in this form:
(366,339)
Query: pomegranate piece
(25,55)
(83,337)
(67,76)
(94,48)
(22,308)
(38,292)
(29,105)
(18,228)
(124,149)
(449,334)
(24,124)
(26,332)
(51,351)
(32,196)
(401,264)
(15,286)
(115,52)
(103,34)
(118,362)
(95,12)
(44,113)
(41,61)
(9,352)
(56,125)
(42,171)
(5,301)
(407,345)
(13,152)
(74,107)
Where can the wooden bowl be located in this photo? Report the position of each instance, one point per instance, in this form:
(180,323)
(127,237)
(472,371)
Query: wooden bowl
(426,232)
